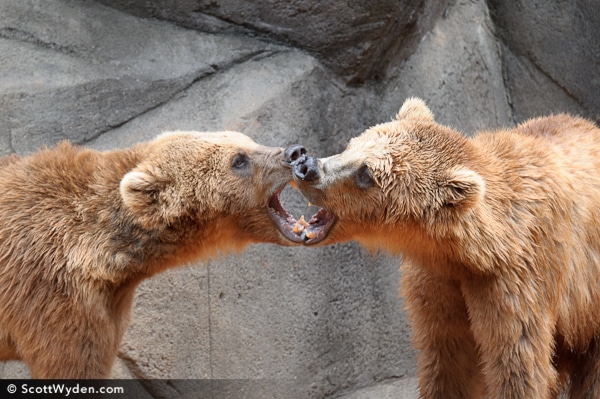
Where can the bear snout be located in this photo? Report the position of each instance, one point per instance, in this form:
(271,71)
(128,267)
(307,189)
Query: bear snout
(294,154)
(307,170)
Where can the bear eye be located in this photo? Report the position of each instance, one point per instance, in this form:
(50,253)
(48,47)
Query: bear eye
(240,163)
(363,177)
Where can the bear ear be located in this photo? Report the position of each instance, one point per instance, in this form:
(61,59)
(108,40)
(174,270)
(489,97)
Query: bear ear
(140,190)
(462,188)
(414,108)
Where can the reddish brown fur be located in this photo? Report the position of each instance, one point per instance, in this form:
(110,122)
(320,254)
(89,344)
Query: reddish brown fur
(80,229)
(501,241)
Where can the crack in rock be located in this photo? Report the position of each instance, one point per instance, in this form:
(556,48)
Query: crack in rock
(20,35)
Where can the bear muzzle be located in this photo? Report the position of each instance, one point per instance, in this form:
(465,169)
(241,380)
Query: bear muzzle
(318,226)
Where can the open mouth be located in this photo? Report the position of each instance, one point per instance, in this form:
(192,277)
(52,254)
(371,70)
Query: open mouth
(300,231)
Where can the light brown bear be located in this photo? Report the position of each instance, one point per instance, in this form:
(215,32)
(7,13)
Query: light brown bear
(501,241)
(80,229)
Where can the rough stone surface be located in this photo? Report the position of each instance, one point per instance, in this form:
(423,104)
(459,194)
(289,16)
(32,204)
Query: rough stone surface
(457,69)
(397,389)
(321,323)
(75,71)
(346,35)
(551,55)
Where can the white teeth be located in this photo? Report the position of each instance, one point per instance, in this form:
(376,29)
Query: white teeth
(300,225)
(298,228)
(302,221)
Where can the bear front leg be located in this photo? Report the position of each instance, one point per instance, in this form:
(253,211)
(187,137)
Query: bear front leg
(513,326)
(55,364)
(7,349)
(63,359)
(448,364)
(75,343)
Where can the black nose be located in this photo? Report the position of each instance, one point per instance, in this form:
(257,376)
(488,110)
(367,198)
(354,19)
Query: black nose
(307,169)
(294,154)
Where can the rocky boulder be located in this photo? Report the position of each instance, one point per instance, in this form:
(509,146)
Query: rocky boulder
(345,35)
(551,55)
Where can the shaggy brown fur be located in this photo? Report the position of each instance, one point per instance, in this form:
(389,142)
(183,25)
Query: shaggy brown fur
(501,241)
(79,230)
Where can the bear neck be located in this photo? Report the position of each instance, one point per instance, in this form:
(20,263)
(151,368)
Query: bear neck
(454,241)
(519,172)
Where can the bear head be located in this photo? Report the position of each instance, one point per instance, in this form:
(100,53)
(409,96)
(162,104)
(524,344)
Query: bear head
(400,178)
(215,187)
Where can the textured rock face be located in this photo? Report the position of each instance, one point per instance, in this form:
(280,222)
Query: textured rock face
(328,321)
(75,71)
(551,55)
(346,35)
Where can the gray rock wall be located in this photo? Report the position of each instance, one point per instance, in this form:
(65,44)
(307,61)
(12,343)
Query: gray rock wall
(324,322)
